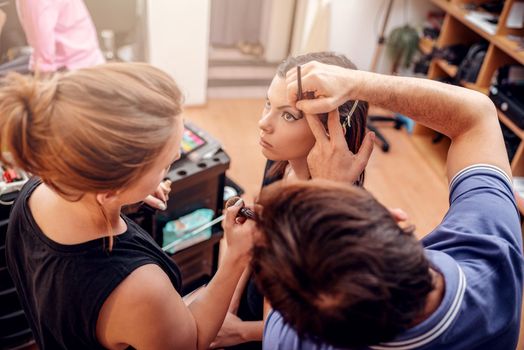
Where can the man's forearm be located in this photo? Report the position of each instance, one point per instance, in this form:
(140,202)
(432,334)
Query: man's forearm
(448,109)
(468,117)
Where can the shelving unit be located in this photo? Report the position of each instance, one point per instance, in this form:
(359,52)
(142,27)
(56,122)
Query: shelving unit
(458,29)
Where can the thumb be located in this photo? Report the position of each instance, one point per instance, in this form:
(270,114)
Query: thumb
(155,202)
(232,212)
(398,214)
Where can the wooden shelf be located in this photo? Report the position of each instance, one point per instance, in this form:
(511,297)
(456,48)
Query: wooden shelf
(449,69)
(426,45)
(509,46)
(501,41)
(457,29)
(475,87)
(510,124)
(460,14)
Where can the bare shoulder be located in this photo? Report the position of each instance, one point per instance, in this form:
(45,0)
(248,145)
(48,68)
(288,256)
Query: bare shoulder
(146,312)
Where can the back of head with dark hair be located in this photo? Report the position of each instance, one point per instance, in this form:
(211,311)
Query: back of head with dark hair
(336,265)
(355,134)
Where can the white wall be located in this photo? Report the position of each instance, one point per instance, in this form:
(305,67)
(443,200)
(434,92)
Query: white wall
(178,39)
(355,26)
(277,18)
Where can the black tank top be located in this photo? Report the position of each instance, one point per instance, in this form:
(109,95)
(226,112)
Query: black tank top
(63,287)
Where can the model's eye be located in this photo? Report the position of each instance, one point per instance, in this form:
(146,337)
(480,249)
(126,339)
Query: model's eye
(288,117)
(267,105)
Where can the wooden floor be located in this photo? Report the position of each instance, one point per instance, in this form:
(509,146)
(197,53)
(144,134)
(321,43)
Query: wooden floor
(411,176)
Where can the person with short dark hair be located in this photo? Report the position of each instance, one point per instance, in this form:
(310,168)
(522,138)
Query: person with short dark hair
(340,273)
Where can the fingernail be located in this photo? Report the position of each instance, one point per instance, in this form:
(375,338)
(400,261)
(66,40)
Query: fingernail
(239,203)
(162,206)
(166,186)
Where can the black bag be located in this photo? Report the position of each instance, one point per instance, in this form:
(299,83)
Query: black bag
(454,54)
(421,66)
(469,68)
(511,141)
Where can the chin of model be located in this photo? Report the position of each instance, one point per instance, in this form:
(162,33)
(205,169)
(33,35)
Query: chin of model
(270,155)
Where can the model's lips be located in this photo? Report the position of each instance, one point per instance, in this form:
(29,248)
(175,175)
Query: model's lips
(265,144)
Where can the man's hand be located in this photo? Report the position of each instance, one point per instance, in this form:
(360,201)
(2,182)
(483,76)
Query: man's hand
(330,157)
(331,86)
(398,215)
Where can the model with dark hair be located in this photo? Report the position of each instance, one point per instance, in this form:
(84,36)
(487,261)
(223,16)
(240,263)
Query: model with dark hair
(285,135)
(340,273)
(286,140)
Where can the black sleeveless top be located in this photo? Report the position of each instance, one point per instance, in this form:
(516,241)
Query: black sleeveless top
(63,287)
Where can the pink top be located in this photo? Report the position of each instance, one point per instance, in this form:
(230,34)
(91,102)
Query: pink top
(61,34)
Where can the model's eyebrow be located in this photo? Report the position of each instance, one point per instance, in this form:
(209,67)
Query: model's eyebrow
(279,107)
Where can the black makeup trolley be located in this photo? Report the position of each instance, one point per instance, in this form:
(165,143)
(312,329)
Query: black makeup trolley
(194,185)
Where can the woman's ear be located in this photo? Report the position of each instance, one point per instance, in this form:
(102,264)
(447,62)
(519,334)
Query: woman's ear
(106,198)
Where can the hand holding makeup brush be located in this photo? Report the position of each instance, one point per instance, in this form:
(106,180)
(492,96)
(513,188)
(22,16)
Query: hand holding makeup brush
(238,233)
(243,213)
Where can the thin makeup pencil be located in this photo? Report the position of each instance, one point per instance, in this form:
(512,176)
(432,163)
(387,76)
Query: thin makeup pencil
(299,83)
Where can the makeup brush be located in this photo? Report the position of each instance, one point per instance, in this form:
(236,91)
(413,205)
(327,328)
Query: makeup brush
(244,212)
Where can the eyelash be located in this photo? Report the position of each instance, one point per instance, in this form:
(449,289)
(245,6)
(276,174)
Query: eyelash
(284,115)
(293,118)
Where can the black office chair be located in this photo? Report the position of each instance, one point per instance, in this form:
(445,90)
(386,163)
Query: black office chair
(397,124)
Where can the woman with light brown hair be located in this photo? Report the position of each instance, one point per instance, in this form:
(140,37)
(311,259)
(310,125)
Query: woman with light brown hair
(88,278)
